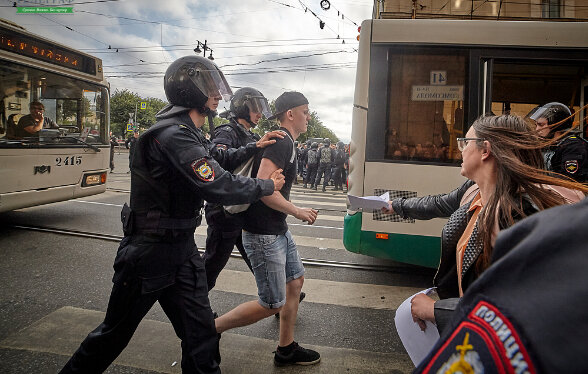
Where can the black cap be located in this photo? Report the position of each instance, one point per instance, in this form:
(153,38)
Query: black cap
(287,101)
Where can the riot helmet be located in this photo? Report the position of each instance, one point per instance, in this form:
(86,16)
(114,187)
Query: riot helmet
(189,81)
(327,142)
(247,100)
(308,143)
(296,143)
(340,145)
(556,114)
(314,145)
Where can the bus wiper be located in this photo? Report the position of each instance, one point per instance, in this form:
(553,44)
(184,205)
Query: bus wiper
(93,147)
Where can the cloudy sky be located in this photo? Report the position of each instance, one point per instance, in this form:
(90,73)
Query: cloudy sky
(272,45)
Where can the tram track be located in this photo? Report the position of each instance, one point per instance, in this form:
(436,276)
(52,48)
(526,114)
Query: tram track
(235,254)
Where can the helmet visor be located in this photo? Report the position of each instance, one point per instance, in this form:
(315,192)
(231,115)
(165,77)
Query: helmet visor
(258,104)
(539,113)
(211,82)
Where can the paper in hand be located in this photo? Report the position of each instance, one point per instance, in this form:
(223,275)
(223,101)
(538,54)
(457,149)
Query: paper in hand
(369,202)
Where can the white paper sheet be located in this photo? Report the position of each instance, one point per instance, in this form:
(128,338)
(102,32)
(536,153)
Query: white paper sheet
(416,342)
(369,202)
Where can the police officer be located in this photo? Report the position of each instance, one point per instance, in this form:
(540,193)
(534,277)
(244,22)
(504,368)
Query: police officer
(339,172)
(569,154)
(326,159)
(173,170)
(312,163)
(224,229)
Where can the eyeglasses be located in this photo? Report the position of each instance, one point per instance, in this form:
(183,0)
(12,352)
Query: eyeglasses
(463,142)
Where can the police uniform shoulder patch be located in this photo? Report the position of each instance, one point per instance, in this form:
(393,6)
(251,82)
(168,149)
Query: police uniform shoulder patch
(222,146)
(571,166)
(203,170)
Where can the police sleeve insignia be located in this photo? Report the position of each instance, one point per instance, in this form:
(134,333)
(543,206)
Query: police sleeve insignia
(203,170)
(571,166)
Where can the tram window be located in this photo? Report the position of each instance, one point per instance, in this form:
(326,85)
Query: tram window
(71,104)
(426,105)
(518,86)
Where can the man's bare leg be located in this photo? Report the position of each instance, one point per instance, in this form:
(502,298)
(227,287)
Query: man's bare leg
(245,314)
(290,311)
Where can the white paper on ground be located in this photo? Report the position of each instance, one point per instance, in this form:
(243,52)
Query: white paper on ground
(416,342)
(369,202)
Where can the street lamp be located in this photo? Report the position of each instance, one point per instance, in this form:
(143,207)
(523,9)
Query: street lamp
(204,48)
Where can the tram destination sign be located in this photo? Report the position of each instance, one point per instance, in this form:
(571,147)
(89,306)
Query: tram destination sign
(16,42)
(437,93)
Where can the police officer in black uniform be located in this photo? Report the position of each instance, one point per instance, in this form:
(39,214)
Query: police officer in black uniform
(569,154)
(174,168)
(224,229)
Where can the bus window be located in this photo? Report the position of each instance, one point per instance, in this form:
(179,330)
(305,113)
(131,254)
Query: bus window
(426,104)
(70,105)
(518,87)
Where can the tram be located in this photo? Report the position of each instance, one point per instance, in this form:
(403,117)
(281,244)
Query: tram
(419,86)
(70,159)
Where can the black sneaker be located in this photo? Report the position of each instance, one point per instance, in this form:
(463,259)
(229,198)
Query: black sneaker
(297,356)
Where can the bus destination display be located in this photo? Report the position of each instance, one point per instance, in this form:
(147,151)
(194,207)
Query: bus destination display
(16,42)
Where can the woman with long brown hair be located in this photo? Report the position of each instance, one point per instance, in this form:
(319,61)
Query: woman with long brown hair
(501,154)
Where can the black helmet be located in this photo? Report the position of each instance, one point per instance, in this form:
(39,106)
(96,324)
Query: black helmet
(249,99)
(189,82)
(340,145)
(327,141)
(296,143)
(554,113)
(314,145)
(308,142)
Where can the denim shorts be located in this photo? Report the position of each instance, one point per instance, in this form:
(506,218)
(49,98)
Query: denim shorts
(275,262)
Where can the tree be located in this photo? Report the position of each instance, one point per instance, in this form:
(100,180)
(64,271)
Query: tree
(123,102)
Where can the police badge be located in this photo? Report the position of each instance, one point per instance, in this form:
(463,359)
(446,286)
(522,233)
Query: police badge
(203,170)
(571,166)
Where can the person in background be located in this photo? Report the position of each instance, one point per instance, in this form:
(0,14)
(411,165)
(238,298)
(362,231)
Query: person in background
(326,158)
(506,165)
(130,144)
(32,123)
(568,153)
(340,160)
(312,162)
(113,143)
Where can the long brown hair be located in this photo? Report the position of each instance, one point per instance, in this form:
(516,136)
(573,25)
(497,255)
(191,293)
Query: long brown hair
(517,151)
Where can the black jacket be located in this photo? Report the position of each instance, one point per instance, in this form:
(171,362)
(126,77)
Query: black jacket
(527,311)
(570,158)
(233,135)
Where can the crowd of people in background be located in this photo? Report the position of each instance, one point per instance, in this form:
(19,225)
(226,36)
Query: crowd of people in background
(325,161)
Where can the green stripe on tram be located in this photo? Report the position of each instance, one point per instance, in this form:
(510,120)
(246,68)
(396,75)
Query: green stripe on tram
(410,249)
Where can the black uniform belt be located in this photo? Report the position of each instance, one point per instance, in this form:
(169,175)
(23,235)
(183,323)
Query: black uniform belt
(153,221)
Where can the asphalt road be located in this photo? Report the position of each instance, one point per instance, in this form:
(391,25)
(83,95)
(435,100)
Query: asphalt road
(56,287)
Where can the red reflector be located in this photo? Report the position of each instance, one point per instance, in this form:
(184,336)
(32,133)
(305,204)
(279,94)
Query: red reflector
(381,236)
(103,178)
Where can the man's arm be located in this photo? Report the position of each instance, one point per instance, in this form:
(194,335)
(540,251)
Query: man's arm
(277,202)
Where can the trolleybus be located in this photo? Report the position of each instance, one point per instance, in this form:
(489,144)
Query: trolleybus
(68,160)
(419,85)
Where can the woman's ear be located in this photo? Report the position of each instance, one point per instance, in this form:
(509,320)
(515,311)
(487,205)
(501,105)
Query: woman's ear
(486,150)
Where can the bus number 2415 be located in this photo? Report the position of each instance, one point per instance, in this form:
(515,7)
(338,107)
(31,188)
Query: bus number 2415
(68,161)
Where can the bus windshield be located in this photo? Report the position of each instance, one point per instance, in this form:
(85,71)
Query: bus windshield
(44,109)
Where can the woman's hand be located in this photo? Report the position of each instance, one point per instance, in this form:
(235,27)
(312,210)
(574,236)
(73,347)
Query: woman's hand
(422,308)
(388,210)
(268,138)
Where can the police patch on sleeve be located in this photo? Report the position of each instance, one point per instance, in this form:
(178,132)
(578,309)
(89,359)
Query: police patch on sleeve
(485,342)
(203,170)
(571,166)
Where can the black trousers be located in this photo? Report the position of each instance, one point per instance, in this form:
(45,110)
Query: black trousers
(339,176)
(323,169)
(184,301)
(223,233)
(311,174)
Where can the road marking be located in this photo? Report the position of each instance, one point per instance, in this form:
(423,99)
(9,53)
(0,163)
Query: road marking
(312,203)
(155,347)
(358,295)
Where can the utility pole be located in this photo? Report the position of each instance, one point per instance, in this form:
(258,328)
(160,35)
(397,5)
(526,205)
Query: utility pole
(414,8)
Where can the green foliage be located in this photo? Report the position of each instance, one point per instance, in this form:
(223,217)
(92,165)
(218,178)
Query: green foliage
(123,102)
(316,129)
(217,122)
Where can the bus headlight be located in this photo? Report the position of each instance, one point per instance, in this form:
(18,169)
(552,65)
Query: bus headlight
(93,179)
